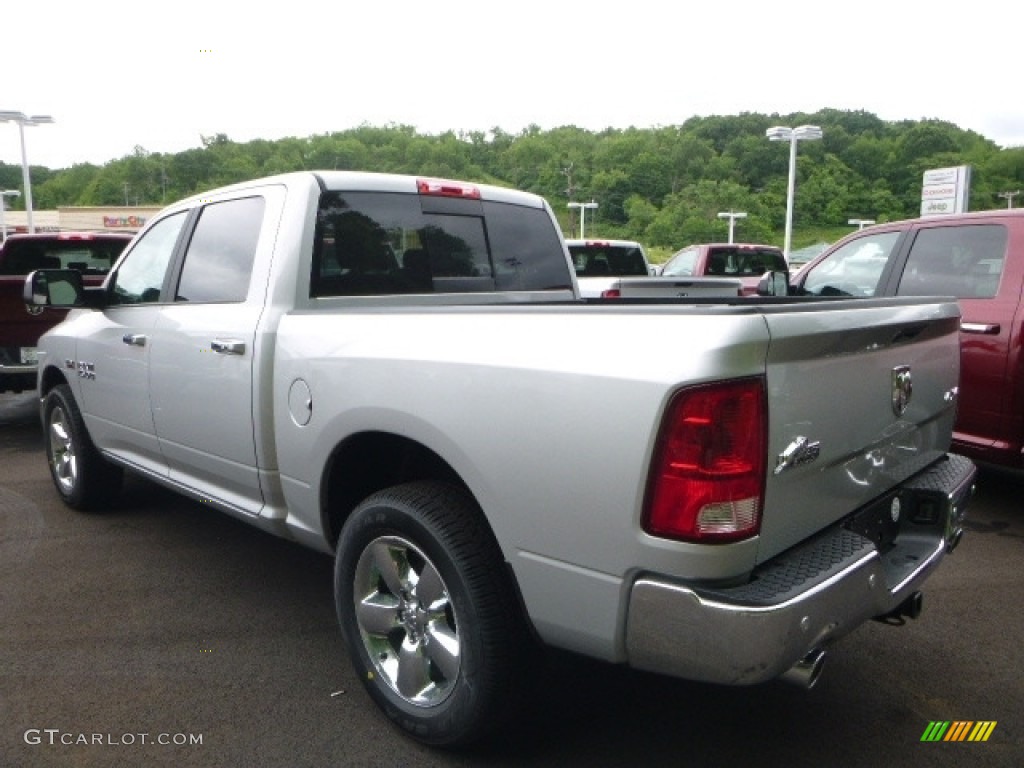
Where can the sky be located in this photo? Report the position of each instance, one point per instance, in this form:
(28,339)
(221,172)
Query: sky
(119,75)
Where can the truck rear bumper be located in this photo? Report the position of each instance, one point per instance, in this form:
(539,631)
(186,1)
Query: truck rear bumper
(802,600)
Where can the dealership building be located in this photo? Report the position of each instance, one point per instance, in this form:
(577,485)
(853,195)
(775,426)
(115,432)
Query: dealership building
(81,218)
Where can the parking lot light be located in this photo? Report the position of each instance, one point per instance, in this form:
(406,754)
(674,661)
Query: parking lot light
(22,120)
(792,135)
(860,223)
(732,216)
(583,213)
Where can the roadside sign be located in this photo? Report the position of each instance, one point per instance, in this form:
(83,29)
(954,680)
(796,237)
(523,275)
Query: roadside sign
(945,190)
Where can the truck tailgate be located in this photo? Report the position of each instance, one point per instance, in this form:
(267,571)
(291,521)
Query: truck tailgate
(862,397)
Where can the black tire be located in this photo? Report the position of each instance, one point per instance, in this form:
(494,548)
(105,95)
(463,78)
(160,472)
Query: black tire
(428,614)
(82,477)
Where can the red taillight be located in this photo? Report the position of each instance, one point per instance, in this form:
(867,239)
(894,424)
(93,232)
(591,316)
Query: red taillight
(611,293)
(441,188)
(707,482)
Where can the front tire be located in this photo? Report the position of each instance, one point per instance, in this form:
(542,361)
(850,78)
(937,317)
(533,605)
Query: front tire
(428,614)
(82,477)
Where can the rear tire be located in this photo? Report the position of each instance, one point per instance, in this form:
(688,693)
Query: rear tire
(82,477)
(428,613)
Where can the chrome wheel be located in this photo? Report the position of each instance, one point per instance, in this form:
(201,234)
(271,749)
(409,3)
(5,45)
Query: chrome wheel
(62,451)
(407,621)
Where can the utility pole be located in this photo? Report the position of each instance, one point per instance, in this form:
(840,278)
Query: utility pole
(1008,196)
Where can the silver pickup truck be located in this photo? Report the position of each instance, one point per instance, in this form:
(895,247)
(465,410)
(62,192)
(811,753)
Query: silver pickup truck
(401,372)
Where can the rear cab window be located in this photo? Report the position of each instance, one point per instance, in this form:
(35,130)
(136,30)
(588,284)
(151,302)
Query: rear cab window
(596,258)
(744,261)
(378,243)
(90,256)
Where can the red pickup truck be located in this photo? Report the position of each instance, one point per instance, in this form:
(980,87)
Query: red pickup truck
(90,253)
(979,259)
(744,261)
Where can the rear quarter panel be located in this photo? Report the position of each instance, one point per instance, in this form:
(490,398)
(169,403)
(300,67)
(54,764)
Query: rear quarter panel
(549,414)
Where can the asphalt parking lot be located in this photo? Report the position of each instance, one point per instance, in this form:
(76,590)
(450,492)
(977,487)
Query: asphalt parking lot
(162,633)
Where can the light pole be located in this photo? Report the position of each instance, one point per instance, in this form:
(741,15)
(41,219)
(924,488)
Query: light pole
(792,135)
(860,223)
(732,216)
(583,213)
(3,206)
(22,120)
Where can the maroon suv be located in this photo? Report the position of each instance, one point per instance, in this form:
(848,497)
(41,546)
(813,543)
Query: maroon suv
(93,254)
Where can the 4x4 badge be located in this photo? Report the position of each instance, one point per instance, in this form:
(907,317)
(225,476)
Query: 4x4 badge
(902,389)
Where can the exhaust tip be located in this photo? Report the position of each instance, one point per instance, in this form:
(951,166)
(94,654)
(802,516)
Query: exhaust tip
(805,673)
(913,606)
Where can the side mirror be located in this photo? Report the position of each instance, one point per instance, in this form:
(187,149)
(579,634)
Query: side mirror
(773,284)
(59,288)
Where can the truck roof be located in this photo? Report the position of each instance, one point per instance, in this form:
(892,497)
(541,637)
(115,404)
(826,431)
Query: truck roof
(368,181)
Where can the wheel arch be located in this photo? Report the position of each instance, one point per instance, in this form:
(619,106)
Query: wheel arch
(370,461)
(51,377)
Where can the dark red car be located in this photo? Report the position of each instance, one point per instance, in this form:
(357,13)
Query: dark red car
(93,254)
(979,259)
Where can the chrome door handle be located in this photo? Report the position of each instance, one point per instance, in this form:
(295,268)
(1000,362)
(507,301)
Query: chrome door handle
(988,329)
(228,346)
(134,339)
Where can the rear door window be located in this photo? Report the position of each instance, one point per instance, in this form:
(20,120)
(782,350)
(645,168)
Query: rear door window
(219,259)
(965,261)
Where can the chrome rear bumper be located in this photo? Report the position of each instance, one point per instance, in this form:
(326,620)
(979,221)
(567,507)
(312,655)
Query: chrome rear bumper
(802,600)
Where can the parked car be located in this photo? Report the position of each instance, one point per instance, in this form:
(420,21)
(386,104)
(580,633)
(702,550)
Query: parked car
(979,259)
(598,263)
(746,261)
(90,253)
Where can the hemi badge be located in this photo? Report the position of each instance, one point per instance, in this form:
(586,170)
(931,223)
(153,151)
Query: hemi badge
(800,451)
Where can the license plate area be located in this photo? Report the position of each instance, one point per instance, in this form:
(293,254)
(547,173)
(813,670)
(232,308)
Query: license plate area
(880,521)
(28,355)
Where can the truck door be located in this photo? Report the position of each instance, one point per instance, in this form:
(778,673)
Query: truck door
(114,345)
(968,261)
(203,356)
